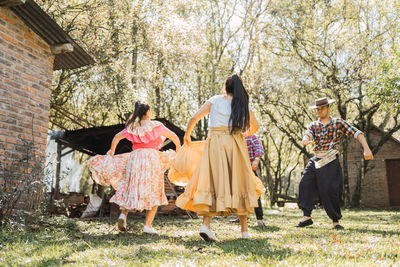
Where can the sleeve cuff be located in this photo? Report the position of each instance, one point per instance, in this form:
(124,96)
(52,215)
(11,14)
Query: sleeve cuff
(309,135)
(258,154)
(357,134)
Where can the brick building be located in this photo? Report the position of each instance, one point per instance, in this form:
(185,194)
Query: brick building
(381,184)
(32,46)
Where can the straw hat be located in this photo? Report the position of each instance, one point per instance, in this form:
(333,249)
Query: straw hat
(321,102)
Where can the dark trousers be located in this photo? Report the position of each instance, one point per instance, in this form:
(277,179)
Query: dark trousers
(258,210)
(325,182)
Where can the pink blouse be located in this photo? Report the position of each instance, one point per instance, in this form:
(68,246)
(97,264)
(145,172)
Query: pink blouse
(147,136)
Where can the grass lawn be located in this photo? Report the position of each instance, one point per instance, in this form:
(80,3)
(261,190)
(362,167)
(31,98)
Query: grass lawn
(371,238)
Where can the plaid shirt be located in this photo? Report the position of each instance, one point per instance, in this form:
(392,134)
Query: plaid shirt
(254,147)
(328,136)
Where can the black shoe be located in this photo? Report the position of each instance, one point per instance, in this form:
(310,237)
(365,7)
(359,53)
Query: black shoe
(305,223)
(338,227)
(234,220)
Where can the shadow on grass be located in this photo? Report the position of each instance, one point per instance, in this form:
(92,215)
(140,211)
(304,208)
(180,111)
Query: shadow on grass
(60,259)
(374,232)
(241,247)
(373,218)
(265,228)
(72,232)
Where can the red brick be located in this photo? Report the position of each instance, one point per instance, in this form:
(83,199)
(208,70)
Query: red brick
(12,83)
(26,70)
(8,19)
(8,38)
(16,116)
(29,36)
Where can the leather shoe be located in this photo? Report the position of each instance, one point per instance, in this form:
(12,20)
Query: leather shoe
(305,223)
(338,227)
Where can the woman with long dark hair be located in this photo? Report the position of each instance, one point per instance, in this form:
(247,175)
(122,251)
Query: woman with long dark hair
(138,176)
(223,181)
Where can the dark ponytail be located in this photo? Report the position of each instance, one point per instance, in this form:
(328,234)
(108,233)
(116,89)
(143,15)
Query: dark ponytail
(139,112)
(240,116)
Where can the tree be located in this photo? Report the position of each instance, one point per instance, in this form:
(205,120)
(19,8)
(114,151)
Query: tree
(318,46)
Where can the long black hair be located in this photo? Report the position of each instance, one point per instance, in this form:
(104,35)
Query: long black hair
(240,116)
(139,112)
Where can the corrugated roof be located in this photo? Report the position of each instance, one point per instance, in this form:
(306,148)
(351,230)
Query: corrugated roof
(43,25)
(97,140)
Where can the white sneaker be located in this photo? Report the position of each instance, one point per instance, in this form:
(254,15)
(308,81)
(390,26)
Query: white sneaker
(122,223)
(245,235)
(206,234)
(149,230)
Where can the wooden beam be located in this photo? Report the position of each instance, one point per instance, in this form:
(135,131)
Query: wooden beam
(11,3)
(71,115)
(62,48)
(58,171)
(62,111)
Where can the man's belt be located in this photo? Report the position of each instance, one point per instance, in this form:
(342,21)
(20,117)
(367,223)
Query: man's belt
(325,157)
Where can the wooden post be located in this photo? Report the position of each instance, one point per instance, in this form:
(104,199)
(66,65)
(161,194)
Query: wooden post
(103,195)
(175,194)
(58,169)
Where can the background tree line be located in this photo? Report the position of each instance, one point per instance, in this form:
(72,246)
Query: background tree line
(176,54)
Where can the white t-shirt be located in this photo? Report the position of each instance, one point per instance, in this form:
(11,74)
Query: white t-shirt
(220,111)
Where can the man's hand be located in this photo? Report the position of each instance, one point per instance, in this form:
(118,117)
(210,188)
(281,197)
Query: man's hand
(110,152)
(368,154)
(254,164)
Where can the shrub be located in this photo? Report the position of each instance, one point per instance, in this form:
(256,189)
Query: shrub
(21,184)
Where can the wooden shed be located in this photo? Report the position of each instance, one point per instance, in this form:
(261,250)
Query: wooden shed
(97,141)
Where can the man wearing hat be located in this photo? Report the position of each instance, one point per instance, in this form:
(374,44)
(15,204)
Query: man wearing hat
(323,174)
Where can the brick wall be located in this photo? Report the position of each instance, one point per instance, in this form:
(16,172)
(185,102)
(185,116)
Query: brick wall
(26,69)
(375,191)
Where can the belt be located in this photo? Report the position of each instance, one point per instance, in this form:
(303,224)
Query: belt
(325,157)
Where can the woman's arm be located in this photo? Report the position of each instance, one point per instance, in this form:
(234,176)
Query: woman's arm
(174,138)
(118,137)
(203,111)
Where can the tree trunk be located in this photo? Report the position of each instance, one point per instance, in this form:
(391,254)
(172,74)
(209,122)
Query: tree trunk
(346,186)
(356,197)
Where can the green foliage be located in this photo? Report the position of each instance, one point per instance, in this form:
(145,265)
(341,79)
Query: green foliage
(176,54)
(385,88)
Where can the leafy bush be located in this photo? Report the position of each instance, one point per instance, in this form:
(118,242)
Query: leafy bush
(21,184)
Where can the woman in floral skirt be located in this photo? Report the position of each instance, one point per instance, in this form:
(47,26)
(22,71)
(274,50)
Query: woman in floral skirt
(138,176)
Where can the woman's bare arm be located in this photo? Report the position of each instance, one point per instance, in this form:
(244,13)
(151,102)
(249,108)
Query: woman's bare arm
(174,138)
(203,111)
(118,137)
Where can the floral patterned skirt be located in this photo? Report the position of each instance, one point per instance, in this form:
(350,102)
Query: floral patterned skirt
(138,177)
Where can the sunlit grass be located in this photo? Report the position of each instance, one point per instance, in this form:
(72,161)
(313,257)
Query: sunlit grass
(371,238)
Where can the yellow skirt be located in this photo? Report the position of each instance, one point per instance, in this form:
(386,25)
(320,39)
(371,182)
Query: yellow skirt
(221,178)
